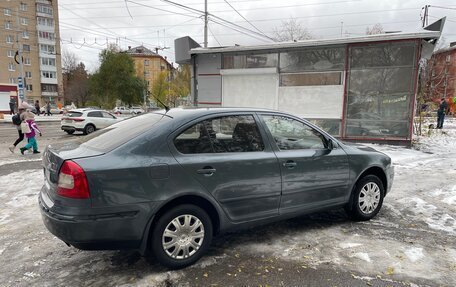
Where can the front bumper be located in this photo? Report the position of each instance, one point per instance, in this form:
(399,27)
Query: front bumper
(390,177)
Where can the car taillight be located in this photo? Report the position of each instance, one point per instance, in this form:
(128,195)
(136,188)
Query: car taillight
(72,181)
(77,119)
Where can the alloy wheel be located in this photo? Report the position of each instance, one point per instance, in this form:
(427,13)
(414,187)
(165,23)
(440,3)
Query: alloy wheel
(183,236)
(369,197)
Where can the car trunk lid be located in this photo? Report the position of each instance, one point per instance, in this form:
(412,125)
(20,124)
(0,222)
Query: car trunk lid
(53,159)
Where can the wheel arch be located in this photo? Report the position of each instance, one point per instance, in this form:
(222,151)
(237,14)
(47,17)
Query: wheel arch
(197,200)
(373,170)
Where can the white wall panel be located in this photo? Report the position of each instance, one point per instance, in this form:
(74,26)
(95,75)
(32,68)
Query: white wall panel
(312,101)
(250,90)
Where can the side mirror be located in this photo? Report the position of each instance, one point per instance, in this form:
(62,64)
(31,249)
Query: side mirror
(331,144)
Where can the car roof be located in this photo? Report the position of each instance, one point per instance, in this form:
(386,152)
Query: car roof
(187,113)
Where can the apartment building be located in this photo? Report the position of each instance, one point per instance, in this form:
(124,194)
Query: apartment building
(31,27)
(148,64)
(441,76)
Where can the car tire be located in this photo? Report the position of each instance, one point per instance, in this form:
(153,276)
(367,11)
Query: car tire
(190,245)
(89,129)
(70,132)
(367,198)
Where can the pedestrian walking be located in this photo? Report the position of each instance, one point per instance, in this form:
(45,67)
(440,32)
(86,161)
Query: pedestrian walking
(48,109)
(12,106)
(37,107)
(441,113)
(17,120)
(30,134)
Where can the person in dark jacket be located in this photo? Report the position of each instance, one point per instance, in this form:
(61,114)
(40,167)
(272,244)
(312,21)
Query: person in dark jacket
(441,113)
(18,127)
(12,106)
(48,109)
(37,107)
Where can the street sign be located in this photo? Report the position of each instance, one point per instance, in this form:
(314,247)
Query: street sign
(20,87)
(20,84)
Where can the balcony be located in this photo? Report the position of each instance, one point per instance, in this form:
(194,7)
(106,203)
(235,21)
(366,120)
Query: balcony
(48,2)
(48,81)
(49,94)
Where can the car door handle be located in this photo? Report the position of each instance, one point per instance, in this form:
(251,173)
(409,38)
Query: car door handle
(207,171)
(289,164)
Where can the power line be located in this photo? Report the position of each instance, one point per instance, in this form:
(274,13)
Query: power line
(214,36)
(245,19)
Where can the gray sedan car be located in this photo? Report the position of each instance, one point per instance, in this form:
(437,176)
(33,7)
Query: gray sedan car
(165,183)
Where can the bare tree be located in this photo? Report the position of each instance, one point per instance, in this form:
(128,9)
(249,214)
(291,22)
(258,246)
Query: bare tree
(69,61)
(376,29)
(292,30)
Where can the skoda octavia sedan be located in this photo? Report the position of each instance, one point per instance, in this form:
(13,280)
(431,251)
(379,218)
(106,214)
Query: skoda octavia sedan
(165,183)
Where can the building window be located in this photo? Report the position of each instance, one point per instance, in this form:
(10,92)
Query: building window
(49,74)
(44,9)
(28,88)
(24,21)
(45,21)
(26,48)
(48,88)
(11,67)
(380,90)
(146,74)
(249,61)
(25,34)
(50,49)
(23,7)
(448,58)
(7,11)
(28,74)
(10,53)
(12,80)
(48,62)
(46,35)
(9,39)
(8,25)
(27,61)
(146,62)
(311,79)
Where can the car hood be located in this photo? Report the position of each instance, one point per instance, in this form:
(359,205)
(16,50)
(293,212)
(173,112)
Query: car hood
(359,146)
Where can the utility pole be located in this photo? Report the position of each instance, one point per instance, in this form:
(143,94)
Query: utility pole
(20,61)
(205,23)
(425,16)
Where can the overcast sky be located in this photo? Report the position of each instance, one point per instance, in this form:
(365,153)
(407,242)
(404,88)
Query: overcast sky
(87,26)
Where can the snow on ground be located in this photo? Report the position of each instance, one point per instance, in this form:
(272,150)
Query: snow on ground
(412,238)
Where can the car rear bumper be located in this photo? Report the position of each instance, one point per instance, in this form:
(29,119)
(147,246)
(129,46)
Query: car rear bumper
(71,128)
(105,231)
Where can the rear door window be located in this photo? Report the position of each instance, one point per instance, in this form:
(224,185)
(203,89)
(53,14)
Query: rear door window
(95,114)
(221,135)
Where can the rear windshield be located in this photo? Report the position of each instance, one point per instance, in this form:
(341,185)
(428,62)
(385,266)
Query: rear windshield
(72,114)
(114,136)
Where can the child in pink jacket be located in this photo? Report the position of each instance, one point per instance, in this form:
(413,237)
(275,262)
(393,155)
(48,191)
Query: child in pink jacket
(30,120)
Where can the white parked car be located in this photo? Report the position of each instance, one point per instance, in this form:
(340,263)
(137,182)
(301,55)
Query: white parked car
(87,120)
(121,110)
(136,110)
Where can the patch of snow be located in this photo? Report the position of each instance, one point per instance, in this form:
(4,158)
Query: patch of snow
(414,254)
(349,245)
(362,256)
(15,160)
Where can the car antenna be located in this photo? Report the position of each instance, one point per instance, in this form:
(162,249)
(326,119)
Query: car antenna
(160,102)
